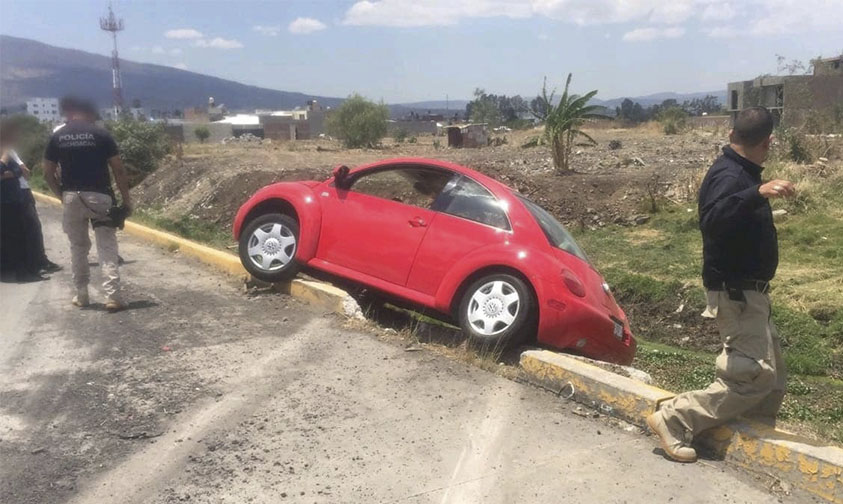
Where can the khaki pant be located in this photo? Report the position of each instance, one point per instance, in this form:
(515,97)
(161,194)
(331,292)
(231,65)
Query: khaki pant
(750,377)
(79,209)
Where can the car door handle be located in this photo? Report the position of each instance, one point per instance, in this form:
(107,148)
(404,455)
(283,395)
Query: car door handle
(417,222)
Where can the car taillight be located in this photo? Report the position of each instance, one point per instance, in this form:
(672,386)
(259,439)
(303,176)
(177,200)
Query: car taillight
(573,283)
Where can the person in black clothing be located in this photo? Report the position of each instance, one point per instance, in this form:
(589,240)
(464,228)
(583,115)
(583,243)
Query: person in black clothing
(36,255)
(15,255)
(740,256)
(87,153)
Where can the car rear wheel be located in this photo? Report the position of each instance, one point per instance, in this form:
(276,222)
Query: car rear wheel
(268,247)
(497,311)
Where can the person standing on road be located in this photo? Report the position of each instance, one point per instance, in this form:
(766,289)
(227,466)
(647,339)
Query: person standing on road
(13,243)
(36,255)
(740,256)
(85,152)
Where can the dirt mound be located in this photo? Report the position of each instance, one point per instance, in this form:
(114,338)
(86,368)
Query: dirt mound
(614,181)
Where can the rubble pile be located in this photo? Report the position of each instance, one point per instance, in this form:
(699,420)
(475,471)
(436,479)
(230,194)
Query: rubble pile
(244,138)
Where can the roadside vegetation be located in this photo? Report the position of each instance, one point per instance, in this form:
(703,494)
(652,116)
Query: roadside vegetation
(358,122)
(143,145)
(563,121)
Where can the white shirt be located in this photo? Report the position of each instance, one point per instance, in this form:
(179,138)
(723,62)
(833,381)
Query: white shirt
(21,180)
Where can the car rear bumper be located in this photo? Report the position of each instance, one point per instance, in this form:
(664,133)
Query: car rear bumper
(571,323)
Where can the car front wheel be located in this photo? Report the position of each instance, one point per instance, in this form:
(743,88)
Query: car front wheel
(268,247)
(497,311)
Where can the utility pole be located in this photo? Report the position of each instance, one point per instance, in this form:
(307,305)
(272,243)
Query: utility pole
(113,25)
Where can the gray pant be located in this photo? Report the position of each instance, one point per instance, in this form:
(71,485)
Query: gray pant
(750,376)
(79,209)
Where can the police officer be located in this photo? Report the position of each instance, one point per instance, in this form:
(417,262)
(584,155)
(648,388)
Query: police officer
(86,152)
(740,256)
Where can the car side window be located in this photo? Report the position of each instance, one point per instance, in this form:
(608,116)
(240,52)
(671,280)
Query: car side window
(409,185)
(466,198)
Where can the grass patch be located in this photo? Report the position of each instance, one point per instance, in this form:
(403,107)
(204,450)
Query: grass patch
(194,229)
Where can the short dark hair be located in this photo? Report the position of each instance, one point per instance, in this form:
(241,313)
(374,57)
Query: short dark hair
(70,104)
(88,107)
(752,126)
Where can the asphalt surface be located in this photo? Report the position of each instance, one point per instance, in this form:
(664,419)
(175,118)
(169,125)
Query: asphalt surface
(202,393)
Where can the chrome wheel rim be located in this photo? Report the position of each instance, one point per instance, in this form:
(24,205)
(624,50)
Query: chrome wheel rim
(493,308)
(272,246)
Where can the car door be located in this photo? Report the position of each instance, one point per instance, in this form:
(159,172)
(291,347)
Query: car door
(468,217)
(375,225)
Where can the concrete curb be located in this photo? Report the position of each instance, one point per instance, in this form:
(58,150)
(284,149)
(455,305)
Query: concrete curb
(317,293)
(757,447)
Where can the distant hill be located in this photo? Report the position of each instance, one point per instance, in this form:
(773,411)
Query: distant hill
(29,69)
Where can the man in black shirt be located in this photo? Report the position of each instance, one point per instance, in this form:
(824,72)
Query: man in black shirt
(740,256)
(86,152)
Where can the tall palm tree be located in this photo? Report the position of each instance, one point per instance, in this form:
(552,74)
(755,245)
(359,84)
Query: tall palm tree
(562,122)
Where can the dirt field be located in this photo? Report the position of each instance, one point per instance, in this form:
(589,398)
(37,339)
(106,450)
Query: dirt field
(210,182)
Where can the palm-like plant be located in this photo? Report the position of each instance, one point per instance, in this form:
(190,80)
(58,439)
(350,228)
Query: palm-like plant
(562,122)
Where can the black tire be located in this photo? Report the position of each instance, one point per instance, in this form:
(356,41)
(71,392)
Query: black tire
(277,270)
(520,329)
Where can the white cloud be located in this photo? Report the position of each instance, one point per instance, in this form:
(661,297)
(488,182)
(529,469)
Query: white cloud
(157,50)
(175,51)
(755,17)
(719,12)
(219,43)
(305,25)
(431,12)
(644,34)
(183,34)
(269,31)
(180,66)
(722,32)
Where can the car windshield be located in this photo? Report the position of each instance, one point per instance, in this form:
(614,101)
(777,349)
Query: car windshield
(556,233)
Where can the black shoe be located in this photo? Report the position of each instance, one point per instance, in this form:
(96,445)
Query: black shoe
(120,260)
(50,267)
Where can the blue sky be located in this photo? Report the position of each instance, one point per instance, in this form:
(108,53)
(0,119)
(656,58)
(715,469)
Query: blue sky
(410,50)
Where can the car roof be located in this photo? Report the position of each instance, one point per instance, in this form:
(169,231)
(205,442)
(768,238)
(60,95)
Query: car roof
(498,188)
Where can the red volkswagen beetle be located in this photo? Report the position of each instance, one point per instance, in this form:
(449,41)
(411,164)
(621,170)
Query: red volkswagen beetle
(445,237)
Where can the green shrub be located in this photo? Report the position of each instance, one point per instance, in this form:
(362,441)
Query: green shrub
(142,145)
(358,122)
(673,120)
(202,133)
(401,135)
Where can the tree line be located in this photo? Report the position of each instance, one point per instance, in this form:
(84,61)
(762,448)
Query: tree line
(634,112)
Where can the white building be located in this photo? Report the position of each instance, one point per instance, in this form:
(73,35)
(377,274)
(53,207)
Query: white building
(45,109)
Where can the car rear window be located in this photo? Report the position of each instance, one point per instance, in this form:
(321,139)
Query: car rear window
(556,233)
(466,198)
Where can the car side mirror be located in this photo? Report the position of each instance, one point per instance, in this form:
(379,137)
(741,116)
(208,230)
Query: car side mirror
(340,175)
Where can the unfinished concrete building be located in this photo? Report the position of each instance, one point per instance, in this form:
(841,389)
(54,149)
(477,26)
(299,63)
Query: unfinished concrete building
(813,100)
(299,124)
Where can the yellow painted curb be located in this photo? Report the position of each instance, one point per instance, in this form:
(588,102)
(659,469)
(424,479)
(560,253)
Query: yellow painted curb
(317,293)
(801,462)
(608,392)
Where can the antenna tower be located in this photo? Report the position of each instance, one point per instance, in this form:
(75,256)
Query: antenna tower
(113,24)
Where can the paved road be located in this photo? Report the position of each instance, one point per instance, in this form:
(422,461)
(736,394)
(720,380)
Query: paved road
(201,393)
